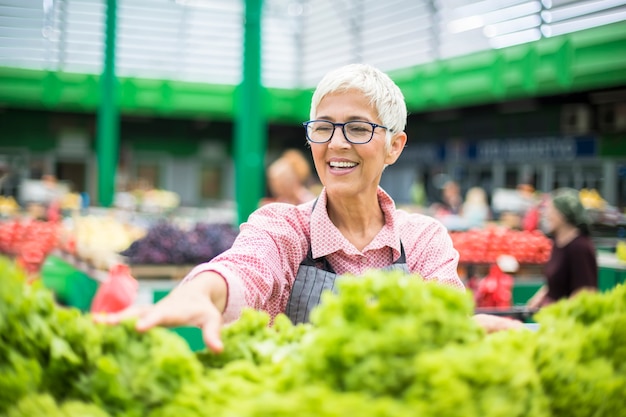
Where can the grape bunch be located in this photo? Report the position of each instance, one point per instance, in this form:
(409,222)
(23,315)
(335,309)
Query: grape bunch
(166,243)
(207,240)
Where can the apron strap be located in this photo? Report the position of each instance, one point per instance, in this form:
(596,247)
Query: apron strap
(402,258)
(309,261)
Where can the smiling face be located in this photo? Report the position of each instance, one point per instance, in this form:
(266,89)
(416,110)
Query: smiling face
(347,169)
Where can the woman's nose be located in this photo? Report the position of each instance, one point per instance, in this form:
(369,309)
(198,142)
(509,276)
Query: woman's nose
(338,139)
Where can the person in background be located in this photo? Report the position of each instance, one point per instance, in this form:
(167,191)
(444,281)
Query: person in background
(451,200)
(286,255)
(475,210)
(302,168)
(572,266)
(286,179)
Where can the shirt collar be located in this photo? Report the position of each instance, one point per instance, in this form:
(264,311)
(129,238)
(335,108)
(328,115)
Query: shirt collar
(327,239)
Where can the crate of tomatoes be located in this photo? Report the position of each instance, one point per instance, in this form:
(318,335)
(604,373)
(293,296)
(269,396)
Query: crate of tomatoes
(486,245)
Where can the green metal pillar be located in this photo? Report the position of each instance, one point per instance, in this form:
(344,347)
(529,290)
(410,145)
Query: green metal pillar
(108,114)
(250,128)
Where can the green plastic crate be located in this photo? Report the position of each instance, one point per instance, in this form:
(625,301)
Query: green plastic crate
(71,286)
(81,291)
(523,290)
(54,275)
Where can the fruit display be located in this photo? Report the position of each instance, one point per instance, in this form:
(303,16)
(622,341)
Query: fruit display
(97,239)
(386,344)
(71,201)
(486,245)
(8,206)
(591,199)
(155,200)
(167,243)
(103,238)
(604,216)
(29,241)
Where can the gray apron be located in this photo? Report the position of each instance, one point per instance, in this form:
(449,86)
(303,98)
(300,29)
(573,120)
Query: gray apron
(315,276)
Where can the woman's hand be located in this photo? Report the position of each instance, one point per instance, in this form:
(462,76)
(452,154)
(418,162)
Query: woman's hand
(493,323)
(198,302)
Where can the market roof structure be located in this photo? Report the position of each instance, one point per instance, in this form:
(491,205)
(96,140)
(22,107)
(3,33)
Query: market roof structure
(201,40)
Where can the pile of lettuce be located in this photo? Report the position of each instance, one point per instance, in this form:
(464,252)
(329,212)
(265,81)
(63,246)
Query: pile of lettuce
(386,344)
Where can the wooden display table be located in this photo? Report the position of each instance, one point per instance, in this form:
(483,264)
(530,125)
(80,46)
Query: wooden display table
(173,272)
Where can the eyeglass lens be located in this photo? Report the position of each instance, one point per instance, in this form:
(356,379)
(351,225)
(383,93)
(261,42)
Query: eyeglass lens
(357,132)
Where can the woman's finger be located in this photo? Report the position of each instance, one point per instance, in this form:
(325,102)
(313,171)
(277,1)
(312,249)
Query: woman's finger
(493,323)
(115,318)
(156,316)
(211,331)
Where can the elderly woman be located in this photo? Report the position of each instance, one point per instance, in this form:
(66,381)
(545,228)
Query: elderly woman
(286,255)
(572,266)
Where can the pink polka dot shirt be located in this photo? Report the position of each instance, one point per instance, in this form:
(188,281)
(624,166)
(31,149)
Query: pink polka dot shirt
(262,264)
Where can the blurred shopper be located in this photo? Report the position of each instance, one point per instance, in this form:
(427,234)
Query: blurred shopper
(475,210)
(300,166)
(287,179)
(451,199)
(572,266)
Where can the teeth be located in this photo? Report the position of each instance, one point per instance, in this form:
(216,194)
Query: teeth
(342,164)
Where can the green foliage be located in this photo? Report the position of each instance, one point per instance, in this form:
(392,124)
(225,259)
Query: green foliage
(581,354)
(19,376)
(81,409)
(367,335)
(251,339)
(137,371)
(386,344)
(494,377)
(586,308)
(44,405)
(36,406)
(61,352)
(316,401)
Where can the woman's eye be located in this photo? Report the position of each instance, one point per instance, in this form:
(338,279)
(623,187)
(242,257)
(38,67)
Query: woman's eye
(322,128)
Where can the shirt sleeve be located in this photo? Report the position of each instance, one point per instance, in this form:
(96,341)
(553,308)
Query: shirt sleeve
(261,265)
(431,253)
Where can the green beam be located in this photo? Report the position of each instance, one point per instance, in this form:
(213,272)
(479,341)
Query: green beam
(593,58)
(250,129)
(108,114)
(589,59)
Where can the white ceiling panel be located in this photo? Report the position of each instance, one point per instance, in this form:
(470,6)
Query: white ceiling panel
(201,40)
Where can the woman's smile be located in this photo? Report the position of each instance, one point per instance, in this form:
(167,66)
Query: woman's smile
(341,166)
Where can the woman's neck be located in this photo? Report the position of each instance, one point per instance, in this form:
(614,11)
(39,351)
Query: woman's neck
(565,235)
(359,221)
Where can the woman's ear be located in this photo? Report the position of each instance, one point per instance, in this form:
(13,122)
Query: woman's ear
(398,141)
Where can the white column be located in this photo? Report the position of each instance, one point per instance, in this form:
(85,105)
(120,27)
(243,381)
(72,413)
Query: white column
(609,181)
(546,181)
(499,174)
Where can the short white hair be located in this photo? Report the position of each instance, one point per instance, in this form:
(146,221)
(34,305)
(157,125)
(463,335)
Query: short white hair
(383,93)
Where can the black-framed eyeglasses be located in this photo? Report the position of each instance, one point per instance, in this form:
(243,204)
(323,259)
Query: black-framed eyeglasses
(357,132)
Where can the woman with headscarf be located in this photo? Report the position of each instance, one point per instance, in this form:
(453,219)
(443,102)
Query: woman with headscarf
(572,266)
